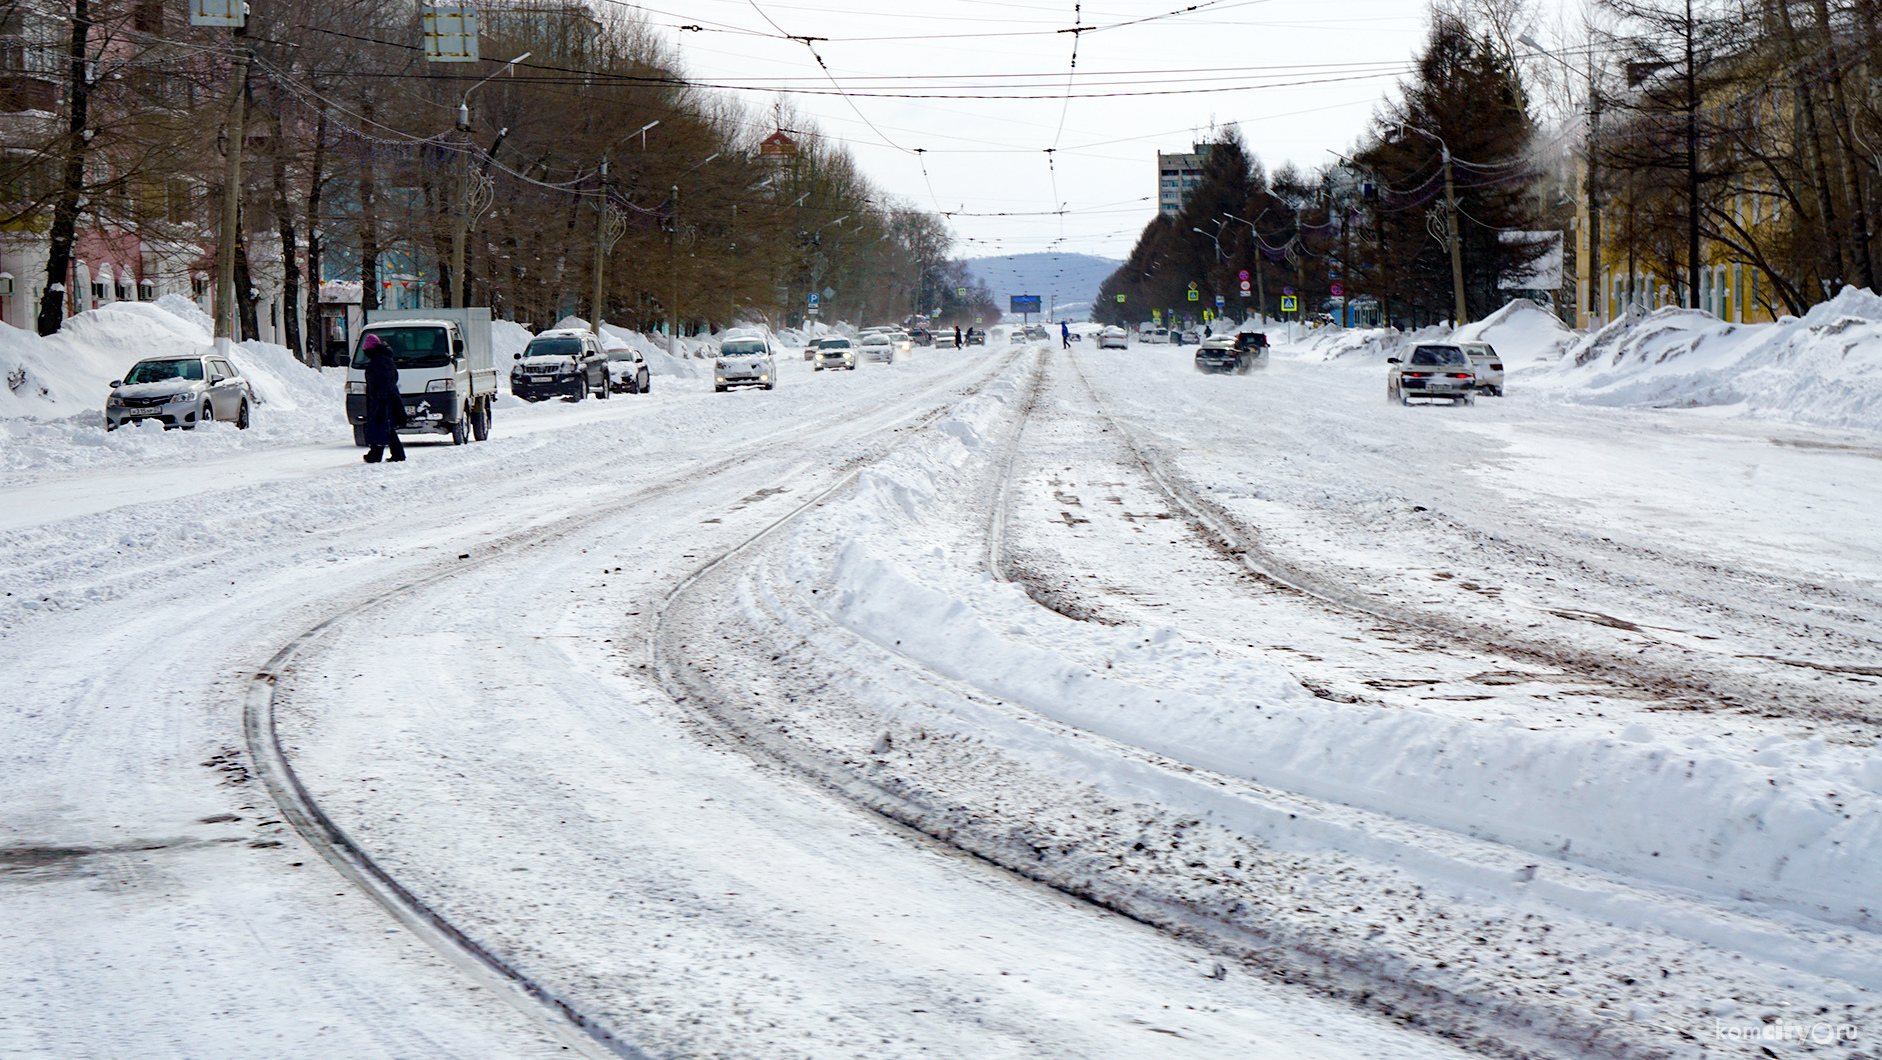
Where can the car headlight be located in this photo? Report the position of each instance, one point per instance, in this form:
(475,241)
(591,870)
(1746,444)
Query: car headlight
(178,399)
(437,385)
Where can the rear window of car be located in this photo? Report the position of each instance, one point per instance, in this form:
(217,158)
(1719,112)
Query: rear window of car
(1438,355)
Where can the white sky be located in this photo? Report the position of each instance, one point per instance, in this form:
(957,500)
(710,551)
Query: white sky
(1300,77)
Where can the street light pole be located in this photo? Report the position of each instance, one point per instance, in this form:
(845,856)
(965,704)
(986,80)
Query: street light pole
(1450,223)
(460,228)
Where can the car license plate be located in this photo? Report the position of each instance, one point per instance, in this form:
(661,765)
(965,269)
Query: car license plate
(134,413)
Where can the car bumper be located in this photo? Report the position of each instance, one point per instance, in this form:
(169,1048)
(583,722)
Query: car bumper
(534,389)
(1414,390)
(435,412)
(1218,364)
(169,415)
(730,380)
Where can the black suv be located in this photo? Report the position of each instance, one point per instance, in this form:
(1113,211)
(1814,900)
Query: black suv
(1220,353)
(565,362)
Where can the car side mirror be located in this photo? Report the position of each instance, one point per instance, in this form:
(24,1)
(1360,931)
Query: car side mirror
(1391,360)
(519,357)
(457,346)
(116,383)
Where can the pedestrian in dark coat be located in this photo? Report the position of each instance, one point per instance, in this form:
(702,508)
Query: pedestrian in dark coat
(385,406)
(957,336)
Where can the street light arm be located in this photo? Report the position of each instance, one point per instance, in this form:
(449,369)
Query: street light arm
(463,104)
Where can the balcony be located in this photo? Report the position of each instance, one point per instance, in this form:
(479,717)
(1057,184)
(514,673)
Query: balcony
(27,92)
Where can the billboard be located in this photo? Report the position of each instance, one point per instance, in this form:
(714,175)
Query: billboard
(1025,303)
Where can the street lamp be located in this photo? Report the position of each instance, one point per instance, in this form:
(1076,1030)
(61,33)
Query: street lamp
(1450,219)
(673,261)
(461,228)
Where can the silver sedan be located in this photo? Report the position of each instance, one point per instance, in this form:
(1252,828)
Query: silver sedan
(180,392)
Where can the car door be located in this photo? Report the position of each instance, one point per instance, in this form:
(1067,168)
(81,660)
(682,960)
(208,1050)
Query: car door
(222,381)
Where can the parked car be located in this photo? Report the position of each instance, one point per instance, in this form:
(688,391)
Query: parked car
(974,337)
(922,336)
(1438,371)
(627,371)
(1186,338)
(834,352)
(1153,334)
(1114,338)
(876,347)
(1489,367)
(1035,333)
(745,359)
(565,362)
(180,392)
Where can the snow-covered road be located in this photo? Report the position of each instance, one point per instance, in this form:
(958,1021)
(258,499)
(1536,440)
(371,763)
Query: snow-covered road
(1525,727)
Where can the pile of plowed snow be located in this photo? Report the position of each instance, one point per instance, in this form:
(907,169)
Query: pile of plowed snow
(52,412)
(1824,369)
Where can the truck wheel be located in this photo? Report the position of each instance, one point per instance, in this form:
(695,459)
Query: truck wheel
(460,431)
(480,421)
(359,435)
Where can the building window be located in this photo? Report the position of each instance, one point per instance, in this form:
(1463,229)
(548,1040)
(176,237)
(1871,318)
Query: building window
(176,195)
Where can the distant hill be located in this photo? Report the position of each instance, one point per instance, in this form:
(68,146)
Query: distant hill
(1070,280)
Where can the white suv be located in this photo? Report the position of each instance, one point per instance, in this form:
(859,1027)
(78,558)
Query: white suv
(1489,367)
(744,360)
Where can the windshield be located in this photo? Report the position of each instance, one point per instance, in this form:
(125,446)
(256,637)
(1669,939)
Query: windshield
(833,344)
(561,347)
(418,347)
(620,355)
(742,348)
(875,340)
(158,371)
(1438,355)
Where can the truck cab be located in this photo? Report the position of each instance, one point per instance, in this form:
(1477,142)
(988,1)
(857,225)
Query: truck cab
(446,377)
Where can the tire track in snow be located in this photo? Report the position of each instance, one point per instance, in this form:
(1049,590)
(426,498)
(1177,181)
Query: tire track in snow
(537,1001)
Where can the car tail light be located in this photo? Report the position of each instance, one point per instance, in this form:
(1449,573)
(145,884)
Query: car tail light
(1414,375)
(1461,375)
(1496,368)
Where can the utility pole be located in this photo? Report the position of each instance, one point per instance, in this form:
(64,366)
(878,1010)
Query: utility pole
(234,133)
(1457,249)
(601,252)
(673,275)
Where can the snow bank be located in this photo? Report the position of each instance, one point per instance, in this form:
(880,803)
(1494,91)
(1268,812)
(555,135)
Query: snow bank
(1794,824)
(1824,369)
(1523,333)
(52,413)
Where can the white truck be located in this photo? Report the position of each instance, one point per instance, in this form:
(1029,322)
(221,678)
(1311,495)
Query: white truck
(446,375)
